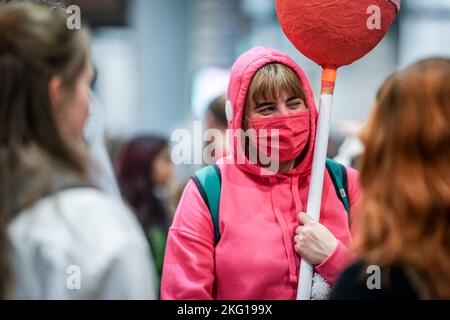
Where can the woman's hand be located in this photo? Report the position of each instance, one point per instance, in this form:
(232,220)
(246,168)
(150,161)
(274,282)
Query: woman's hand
(313,241)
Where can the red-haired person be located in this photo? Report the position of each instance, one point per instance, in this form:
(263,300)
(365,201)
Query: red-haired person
(144,172)
(403,229)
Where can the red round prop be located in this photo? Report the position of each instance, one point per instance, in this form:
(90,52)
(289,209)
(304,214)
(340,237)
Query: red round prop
(335,33)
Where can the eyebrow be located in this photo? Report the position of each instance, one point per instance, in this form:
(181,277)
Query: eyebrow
(263,104)
(293,98)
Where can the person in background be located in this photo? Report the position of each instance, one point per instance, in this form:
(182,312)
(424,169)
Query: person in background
(215,147)
(61,236)
(144,171)
(215,118)
(404,224)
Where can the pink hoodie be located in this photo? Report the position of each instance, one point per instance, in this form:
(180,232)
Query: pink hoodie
(255,257)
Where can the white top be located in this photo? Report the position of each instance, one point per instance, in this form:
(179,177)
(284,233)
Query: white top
(80,244)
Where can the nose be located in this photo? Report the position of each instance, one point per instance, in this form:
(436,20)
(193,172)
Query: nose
(283,110)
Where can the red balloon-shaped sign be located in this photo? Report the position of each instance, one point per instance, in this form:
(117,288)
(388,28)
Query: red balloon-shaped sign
(334,33)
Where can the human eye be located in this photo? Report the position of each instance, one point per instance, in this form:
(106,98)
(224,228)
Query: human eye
(266,110)
(295,103)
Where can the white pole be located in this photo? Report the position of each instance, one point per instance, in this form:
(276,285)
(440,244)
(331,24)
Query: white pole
(316,185)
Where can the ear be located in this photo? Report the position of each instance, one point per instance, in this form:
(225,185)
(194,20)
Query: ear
(55,92)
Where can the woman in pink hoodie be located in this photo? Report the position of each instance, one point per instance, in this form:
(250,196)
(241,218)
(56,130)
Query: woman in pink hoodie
(264,232)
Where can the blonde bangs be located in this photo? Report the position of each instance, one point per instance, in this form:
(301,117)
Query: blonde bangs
(271,79)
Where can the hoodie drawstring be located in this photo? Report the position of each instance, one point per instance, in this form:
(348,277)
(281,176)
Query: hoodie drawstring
(295,195)
(288,242)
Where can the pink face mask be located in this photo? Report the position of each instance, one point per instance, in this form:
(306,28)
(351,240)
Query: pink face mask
(282,138)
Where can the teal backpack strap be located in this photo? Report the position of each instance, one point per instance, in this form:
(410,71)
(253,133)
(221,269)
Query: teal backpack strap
(338,174)
(209,183)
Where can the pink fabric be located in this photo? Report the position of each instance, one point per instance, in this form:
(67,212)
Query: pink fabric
(255,258)
(282,137)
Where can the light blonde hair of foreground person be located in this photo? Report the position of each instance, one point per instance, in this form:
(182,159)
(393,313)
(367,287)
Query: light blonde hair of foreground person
(35,45)
(405,175)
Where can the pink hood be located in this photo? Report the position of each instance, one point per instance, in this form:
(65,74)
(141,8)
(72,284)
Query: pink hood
(242,73)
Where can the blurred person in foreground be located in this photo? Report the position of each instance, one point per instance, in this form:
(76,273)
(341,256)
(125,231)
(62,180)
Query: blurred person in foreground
(100,167)
(404,223)
(145,170)
(61,237)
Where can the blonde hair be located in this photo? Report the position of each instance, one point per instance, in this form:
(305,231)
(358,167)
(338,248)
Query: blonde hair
(270,79)
(405,176)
